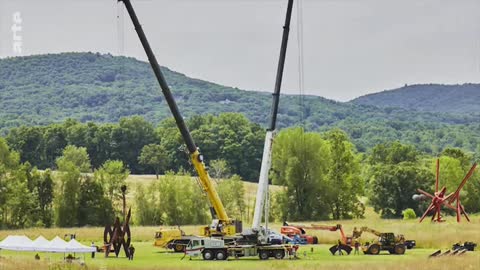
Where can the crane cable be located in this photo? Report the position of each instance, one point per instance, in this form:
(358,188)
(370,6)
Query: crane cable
(120,29)
(301,77)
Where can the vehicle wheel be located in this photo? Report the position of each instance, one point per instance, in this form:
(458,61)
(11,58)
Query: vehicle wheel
(179,248)
(221,255)
(263,255)
(208,255)
(400,249)
(279,254)
(374,249)
(315,240)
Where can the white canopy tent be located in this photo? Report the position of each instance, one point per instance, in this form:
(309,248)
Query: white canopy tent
(16,243)
(56,245)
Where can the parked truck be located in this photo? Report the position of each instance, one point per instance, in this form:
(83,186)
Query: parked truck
(216,249)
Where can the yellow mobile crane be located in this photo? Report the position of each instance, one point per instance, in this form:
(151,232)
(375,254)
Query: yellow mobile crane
(222,225)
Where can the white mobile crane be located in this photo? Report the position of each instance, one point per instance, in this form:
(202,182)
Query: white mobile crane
(262,199)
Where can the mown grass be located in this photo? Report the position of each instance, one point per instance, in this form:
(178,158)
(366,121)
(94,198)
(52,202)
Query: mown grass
(147,257)
(429,237)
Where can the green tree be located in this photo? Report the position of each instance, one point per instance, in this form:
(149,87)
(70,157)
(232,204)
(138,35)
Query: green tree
(111,176)
(12,183)
(300,162)
(28,142)
(155,156)
(45,191)
(177,196)
(344,181)
(392,187)
(219,169)
(394,176)
(73,156)
(54,142)
(454,165)
(20,207)
(232,194)
(146,211)
(70,165)
(129,137)
(393,153)
(93,207)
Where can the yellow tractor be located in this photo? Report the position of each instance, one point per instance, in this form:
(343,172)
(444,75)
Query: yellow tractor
(173,238)
(394,244)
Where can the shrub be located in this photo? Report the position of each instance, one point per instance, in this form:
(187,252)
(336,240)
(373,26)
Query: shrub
(409,214)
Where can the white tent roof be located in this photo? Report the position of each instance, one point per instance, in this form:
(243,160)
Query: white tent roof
(16,242)
(40,244)
(57,244)
(75,246)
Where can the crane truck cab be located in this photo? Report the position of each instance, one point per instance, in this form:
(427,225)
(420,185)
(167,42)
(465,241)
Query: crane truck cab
(208,248)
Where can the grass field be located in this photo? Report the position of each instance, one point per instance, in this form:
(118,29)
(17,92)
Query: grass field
(429,236)
(148,257)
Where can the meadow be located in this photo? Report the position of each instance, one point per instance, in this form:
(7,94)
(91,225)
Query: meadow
(429,236)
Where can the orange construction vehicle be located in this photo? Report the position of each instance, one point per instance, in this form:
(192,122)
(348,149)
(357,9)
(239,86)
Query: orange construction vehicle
(295,230)
(344,243)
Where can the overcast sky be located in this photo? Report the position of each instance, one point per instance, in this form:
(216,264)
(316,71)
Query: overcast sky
(351,47)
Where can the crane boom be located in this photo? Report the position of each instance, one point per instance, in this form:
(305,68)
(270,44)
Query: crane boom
(370,230)
(267,150)
(195,155)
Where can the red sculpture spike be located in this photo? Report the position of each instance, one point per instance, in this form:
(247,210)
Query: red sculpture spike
(437,175)
(439,199)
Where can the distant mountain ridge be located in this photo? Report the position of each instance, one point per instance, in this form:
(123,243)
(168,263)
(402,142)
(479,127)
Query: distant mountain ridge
(464,98)
(93,87)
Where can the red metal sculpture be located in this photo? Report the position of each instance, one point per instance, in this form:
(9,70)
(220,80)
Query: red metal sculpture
(451,200)
(118,235)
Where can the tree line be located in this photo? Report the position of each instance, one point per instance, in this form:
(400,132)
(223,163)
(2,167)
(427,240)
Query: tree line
(74,172)
(72,195)
(142,147)
(326,178)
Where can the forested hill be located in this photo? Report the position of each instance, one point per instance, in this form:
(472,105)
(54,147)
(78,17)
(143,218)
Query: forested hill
(43,89)
(463,98)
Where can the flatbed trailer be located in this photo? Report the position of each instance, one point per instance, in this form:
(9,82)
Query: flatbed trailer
(263,252)
(216,249)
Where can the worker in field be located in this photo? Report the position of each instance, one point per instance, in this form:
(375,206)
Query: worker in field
(339,247)
(131,251)
(289,252)
(295,249)
(356,233)
(357,248)
(93,252)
